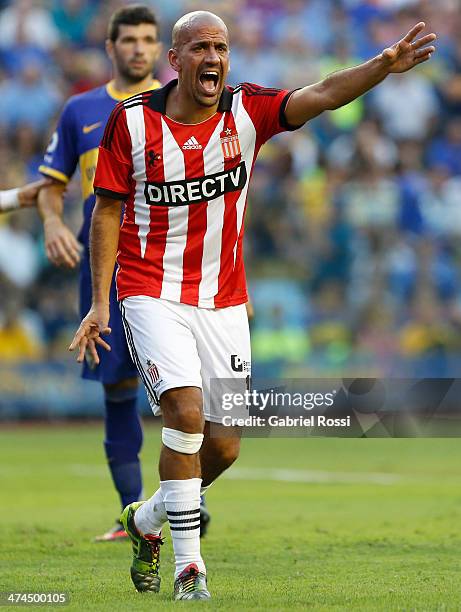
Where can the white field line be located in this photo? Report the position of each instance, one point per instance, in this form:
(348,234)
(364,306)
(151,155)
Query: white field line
(86,469)
(270,474)
(312,476)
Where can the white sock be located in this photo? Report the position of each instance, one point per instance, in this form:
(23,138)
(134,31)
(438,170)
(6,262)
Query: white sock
(182,504)
(150,517)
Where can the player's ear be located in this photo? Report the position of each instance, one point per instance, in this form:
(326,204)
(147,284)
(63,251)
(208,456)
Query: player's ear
(110,48)
(173,58)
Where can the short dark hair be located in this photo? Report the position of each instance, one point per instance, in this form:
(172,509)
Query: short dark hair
(130,15)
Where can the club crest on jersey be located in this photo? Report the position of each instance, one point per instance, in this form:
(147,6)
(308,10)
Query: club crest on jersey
(153,371)
(230,144)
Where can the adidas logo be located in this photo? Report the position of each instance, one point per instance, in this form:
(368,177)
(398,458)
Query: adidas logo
(192,143)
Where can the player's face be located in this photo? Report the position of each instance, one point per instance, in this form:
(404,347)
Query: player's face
(202,62)
(135,51)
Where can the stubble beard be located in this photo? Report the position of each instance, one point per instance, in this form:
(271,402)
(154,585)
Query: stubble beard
(205,101)
(133,76)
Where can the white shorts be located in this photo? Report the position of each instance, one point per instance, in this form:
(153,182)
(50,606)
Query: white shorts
(178,345)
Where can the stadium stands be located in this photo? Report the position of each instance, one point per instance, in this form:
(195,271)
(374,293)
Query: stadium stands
(354,222)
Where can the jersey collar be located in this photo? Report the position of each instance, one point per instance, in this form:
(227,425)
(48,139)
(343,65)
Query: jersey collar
(123,95)
(158,99)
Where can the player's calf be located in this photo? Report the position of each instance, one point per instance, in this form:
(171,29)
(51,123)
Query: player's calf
(180,483)
(220,448)
(123,439)
(182,500)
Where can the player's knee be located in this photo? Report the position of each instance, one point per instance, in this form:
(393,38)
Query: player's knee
(182,409)
(182,442)
(121,391)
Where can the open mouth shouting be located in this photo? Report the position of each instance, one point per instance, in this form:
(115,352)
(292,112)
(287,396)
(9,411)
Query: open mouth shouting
(209,82)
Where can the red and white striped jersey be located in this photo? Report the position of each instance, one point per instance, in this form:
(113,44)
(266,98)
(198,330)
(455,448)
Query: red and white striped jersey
(185,190)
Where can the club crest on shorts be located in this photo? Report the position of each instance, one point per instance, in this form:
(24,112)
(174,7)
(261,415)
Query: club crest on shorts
(230,143)
(153,371)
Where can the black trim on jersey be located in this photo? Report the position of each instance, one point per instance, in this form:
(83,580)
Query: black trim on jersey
(282,117)
(158,98)
(135,100)
(107,193)
(225,102)
(250,89)
(110,126)
(137,96)
(135,357)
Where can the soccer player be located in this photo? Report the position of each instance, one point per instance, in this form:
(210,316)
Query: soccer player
(21,197)
(133,47)
(181,159)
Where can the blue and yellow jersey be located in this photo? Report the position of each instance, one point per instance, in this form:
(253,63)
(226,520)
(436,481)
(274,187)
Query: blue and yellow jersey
(76,141)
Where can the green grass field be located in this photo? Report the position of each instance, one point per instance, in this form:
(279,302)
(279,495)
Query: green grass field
(320,524)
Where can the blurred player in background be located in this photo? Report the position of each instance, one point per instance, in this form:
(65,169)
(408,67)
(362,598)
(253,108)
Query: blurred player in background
(181,278)
(21,197)
(133,47)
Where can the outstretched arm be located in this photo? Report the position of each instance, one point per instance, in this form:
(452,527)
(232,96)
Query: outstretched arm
(342,87)
(28,194)
(21,197)
(104,234)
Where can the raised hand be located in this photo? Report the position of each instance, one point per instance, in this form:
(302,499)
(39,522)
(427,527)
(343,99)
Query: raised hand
(89,333)
(409,52)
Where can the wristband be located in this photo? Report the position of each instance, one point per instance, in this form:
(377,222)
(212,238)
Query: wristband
(9,199)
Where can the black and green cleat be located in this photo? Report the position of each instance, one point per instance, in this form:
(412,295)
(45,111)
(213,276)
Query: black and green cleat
(146,553)
(191,584)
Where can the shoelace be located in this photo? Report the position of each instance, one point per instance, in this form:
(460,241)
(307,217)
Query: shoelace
(154,546)
(188,581)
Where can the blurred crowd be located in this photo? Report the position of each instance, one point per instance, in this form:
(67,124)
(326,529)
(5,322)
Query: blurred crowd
(354,224)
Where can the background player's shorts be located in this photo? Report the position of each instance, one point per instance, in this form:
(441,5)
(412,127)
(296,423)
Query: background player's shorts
(177,345)
(115,365)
